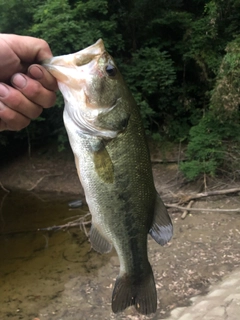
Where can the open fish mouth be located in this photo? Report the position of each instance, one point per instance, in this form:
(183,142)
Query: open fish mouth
(76,65)
(82,80)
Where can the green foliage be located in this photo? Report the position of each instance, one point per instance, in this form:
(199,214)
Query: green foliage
(225,99)
(150,74)
(207,147)
(204,151)
(70,27)
(53,19)
(16,16)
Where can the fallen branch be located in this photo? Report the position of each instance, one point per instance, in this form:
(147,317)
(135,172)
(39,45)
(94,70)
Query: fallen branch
(80,222)
(186,198)
(39,180)
(4,189)
(64,226)
(155,160)
(201,209)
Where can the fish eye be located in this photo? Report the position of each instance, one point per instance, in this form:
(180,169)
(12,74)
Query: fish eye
(111,70)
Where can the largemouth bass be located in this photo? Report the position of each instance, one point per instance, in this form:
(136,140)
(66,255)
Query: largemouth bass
(112,159)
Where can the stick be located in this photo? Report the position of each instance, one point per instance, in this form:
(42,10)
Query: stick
(64,226)
(155,160)
(207,194)
(39,180)
(186,211)
(201,209)
(4,189)
(72,224)
(76,223)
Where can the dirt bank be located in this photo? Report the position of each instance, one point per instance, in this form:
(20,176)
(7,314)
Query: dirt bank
(45,170)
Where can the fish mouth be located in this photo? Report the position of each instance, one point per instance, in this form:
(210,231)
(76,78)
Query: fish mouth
(67,67)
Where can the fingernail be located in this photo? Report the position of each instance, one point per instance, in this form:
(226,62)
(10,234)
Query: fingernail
(19,81)
(35,72)
(3,91)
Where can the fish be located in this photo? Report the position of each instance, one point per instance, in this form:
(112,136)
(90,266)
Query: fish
(108,140)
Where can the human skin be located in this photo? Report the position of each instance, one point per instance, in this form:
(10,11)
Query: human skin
(25,86)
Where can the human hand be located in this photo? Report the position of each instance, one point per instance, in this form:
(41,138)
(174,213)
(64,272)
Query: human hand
(25,87)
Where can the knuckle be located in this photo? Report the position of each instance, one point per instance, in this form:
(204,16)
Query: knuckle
(35,87)
(37,112)
(13,101)
(13,120)
(17,102)
(9,115)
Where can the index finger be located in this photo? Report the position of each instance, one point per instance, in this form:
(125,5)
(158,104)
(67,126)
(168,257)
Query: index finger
(28,49)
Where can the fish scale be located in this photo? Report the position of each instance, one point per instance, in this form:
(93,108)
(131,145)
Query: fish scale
(107,137)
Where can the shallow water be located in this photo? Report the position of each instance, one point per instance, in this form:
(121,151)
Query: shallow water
(54,275)
(37,267)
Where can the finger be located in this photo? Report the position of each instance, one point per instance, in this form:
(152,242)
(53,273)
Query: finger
(16,101)
(33,90)
(40,74)
(28,49)
(12,120)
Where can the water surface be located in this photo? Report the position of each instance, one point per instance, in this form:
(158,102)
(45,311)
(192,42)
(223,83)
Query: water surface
(47,274)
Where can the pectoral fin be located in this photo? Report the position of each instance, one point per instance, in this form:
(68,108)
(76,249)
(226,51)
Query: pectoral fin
(103,165)
(98,241)
(162,228)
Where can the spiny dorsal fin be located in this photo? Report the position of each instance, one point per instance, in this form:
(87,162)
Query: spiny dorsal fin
(103,165)
(98,241)
(162,228)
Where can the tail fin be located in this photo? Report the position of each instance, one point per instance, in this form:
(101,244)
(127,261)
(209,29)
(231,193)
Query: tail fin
(141,293)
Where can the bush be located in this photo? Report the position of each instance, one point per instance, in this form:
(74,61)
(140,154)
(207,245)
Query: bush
(208,146)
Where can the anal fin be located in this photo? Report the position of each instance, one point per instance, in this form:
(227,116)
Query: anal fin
(98,241)
(162,228)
